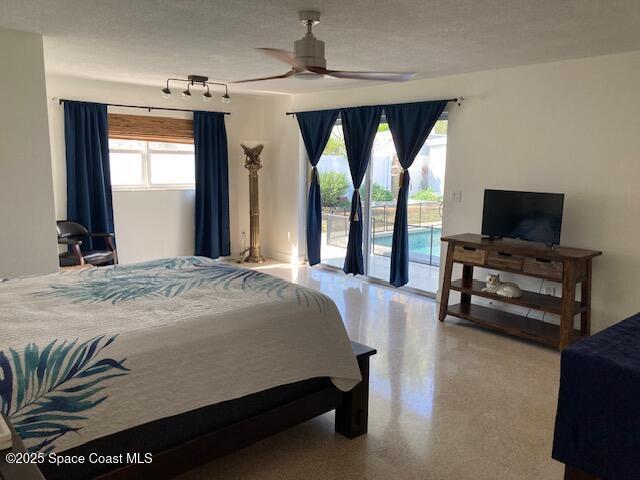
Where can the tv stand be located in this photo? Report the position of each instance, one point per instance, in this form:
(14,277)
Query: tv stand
(568,266)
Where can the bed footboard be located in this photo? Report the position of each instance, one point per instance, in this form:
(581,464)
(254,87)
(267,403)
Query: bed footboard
(352,416)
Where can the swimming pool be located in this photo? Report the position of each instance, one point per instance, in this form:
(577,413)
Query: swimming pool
(424,244)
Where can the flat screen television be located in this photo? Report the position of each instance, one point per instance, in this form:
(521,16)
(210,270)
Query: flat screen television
(532,216)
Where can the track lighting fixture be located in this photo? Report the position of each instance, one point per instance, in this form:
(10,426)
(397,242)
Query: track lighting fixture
(197,80)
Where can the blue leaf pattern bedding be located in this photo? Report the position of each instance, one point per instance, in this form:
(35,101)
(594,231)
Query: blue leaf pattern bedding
(176,276)
(54,386)
(85,354)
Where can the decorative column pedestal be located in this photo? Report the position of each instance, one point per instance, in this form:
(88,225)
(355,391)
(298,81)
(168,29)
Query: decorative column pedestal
(252,163)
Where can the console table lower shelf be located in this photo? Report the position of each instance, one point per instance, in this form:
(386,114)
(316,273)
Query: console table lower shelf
(510,323)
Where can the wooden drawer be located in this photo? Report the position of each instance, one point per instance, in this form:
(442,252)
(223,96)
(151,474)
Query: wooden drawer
(543,268)
(506,261)
(474,256)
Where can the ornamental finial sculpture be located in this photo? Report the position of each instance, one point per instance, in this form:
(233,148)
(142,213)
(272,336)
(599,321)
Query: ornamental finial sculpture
(252,163)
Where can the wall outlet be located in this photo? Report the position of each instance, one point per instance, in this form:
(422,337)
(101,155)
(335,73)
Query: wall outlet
(550,291)
(457,196)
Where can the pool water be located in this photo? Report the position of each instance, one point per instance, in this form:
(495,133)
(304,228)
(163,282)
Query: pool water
(422,248)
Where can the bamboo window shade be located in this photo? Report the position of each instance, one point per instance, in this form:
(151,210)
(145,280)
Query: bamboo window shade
(150,129)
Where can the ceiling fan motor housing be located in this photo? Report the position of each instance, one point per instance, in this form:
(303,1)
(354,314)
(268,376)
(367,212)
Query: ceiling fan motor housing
(309,51)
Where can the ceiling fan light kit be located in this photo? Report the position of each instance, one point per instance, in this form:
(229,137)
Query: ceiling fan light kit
(199,80)
(308,59)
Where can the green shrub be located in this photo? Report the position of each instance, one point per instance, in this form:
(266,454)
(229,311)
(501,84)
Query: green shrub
(335,146)
(427,195)
(380,194)
(333,186)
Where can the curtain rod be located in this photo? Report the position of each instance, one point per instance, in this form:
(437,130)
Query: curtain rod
(457,100)
(62,100)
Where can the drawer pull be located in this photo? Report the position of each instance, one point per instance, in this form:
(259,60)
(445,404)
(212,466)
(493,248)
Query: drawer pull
(543,260)
(471,249)
(505,254)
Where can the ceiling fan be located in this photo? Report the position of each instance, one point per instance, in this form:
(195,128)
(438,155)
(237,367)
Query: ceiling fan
(308,62)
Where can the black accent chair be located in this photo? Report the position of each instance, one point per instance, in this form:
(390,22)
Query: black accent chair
(71,235)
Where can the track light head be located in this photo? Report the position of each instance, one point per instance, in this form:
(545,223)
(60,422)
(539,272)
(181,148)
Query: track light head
(206,96)
(226,98)
(166,92)
(187,93)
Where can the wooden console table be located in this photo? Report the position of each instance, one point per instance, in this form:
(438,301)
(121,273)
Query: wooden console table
(569,266)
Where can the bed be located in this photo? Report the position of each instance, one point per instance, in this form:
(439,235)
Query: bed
(183,353)
(597,431)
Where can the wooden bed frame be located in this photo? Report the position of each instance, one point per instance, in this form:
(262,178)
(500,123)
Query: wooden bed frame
(351,421)
(352,412)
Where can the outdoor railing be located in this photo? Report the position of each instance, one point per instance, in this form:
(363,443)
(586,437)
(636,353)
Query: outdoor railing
(425,218)
(415,255)
(420,213)
(337,228)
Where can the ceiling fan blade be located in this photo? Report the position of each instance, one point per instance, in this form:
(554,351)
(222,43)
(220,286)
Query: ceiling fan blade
(274,77)
(376,76)
(282,55)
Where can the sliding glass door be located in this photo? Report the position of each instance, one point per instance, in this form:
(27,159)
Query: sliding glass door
(379,197)
(424,211)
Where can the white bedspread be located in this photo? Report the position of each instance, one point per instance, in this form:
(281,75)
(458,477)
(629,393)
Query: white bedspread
(87,354)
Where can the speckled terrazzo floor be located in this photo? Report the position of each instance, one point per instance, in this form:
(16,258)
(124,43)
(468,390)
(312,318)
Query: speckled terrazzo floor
(448,401)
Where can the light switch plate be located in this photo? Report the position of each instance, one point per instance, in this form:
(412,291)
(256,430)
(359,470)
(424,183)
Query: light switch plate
(5,435)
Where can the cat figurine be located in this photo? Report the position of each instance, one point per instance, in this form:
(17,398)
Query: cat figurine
(504,289)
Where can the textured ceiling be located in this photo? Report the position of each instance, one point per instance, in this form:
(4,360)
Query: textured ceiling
(146,41)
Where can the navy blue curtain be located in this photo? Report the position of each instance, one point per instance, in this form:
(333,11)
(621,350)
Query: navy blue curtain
(315,128)
(410,125)
(212,185)
(88,179)
(359,126)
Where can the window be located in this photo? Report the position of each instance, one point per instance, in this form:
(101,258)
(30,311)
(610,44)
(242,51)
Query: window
(140,165)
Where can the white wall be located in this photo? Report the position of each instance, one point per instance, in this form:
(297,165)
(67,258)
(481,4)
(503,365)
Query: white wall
(283,185)
(27,222)
(156,224)
(570,127)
